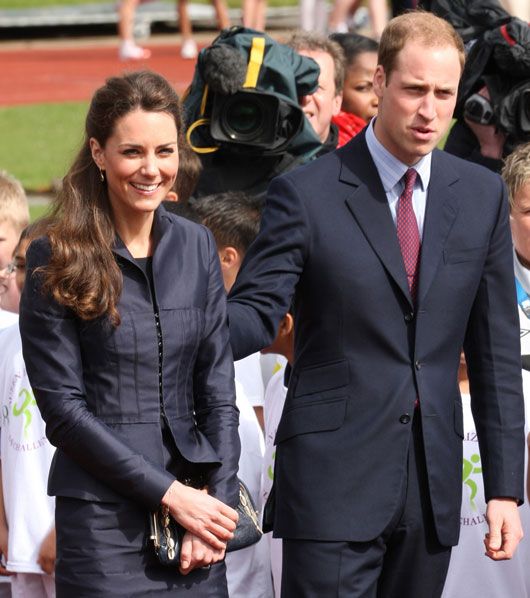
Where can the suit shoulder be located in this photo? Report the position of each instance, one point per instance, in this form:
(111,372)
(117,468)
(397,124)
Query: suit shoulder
(313,171)
(465,168)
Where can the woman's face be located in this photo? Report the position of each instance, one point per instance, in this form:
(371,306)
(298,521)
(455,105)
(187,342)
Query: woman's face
(358,96)
(140,161)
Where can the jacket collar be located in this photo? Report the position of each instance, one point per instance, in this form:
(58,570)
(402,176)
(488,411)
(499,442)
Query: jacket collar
(161,224)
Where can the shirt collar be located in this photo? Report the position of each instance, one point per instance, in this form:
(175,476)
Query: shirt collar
(521,273)
(390,169)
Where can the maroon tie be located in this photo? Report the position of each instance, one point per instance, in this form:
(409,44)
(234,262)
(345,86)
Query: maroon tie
(408,234)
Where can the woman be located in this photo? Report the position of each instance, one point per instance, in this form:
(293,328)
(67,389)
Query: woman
(359,102)
(125,341)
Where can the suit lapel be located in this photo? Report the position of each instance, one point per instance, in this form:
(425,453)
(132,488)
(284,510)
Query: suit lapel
(369,206)
(441,210)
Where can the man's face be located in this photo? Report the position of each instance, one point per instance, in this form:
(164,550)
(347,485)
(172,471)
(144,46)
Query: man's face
(321,106)
(520,223)
(417,100)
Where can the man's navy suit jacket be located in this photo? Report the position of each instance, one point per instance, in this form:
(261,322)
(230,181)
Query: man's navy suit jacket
(364,353)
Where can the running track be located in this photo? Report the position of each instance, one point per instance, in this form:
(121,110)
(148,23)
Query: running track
(72,72)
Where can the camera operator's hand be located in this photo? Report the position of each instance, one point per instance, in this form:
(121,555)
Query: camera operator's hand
(490,139)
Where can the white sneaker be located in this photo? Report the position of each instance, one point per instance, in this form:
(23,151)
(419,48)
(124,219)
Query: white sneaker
(189,49)
(130,51)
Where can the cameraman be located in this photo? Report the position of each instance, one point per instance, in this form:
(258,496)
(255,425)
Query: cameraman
(478,139)
(322,105)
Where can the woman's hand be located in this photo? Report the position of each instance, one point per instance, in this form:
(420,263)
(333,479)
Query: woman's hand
(3,549)
(196,553)
(47,552)
(201,514)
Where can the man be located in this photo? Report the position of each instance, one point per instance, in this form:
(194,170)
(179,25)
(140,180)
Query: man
(320,107)
(369,449)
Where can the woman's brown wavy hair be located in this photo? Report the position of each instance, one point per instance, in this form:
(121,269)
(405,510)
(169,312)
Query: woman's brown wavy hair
(82,273)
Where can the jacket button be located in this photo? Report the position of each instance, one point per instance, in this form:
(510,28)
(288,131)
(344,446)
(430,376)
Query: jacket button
(418,365)
(409,317)
(404,419)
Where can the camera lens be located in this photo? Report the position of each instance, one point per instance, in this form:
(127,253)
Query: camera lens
(243,118)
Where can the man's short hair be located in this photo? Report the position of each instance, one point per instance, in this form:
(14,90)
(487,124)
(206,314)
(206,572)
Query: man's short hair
(13,202)
(233,217)
(314,42)
(516,171)
(420,26)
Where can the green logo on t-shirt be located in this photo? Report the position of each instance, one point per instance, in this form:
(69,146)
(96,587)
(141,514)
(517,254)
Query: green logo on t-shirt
(470,468)
(28,400)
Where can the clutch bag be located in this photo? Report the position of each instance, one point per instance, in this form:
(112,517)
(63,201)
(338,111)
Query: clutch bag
(166,533)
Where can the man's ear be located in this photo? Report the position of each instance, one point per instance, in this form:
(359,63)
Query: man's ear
(229,257)
(379,81)
(337,103)
(97,152)
(286,325)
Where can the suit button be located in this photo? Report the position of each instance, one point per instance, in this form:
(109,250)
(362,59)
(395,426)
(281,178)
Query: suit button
(404,419)
(418,365)
(409,317)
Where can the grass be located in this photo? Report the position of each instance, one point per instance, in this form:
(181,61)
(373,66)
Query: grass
(40,140)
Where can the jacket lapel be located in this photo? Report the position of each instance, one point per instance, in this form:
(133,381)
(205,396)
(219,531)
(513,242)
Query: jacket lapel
(369,206)
(442,208)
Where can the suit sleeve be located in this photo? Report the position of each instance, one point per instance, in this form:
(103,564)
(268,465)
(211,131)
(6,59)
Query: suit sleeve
(215,410)
(492,350)
(52,354)
(270,271)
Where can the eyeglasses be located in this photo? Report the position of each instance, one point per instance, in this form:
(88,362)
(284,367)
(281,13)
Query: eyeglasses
(8,269)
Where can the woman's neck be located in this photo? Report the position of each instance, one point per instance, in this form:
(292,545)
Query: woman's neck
(136,233)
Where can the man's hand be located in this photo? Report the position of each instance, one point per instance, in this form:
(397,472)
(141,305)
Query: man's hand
(505,530)
(195,553)
(47,552)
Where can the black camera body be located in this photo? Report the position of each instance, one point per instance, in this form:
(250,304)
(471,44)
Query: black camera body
(258,119)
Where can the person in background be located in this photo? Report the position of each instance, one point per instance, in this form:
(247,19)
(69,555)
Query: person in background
(233,218)
(128,49)
(125,341)
(255,14)
(14,217)
(27,531)
(470,575)
(393,255)
(275,395)
(321,106)
(342,9)
(189,48)
(313,16)
(516,174)
(359,102)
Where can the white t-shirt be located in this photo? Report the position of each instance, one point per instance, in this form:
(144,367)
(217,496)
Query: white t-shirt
(26,455)
(248,570)
(248,374)
(7,318)
(275,394)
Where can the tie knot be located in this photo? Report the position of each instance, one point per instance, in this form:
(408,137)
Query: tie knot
(410,179)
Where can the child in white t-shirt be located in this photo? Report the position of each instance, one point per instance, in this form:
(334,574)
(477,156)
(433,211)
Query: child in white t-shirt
(275,394)
(27,531)
(471,574)
(233,218)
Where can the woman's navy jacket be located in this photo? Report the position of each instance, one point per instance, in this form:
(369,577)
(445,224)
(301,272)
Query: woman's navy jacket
(97,386)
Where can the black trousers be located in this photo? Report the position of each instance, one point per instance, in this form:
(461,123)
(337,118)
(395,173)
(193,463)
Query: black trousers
(406,561)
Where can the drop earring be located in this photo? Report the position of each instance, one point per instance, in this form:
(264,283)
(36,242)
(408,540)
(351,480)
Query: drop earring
(102,175)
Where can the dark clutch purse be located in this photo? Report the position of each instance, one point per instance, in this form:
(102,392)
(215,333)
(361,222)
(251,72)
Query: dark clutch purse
(167,534)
